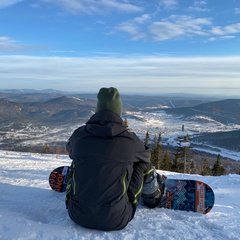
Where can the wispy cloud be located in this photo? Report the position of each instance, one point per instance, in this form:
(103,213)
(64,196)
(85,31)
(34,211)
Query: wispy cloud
(172,27)
(177,27)
(131,29)
(8,3)
(230,29)
(134,27)
(168,4)
(237,10)
(95,6)
(142,19)
(221,38)
(199,6)
(9,45)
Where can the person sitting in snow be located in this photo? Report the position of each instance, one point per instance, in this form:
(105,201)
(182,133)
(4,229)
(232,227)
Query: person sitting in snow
(110,170)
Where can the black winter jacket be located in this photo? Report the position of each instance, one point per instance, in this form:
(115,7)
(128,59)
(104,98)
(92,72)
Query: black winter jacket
(105,184)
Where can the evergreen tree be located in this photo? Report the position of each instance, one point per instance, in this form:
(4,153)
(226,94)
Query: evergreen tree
(206,170)
(156,155)
(159,139)
(176,164)
(166,162)
(192,167)
(125,123)
(147,138)
(217,169)
(46,148)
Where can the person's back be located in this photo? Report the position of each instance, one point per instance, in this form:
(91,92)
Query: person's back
(108,168)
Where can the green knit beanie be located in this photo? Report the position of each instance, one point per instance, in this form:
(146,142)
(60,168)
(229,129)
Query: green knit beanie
(109,99)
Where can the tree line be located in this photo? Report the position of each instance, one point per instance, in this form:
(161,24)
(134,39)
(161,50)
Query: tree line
(181,159)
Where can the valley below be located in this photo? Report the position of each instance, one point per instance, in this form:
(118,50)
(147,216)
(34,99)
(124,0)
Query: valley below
(34,124)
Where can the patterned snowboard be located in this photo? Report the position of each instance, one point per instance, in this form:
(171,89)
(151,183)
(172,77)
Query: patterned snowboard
(187,195)
(58,178)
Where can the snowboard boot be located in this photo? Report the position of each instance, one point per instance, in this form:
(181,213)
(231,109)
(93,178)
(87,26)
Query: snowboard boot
(153,189)
(161,182)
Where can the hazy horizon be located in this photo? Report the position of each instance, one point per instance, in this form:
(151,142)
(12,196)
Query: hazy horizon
(173,94)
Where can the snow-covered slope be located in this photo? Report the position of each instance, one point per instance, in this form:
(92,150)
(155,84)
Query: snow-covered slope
(30,210)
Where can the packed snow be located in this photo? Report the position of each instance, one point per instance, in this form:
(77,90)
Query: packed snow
(30,210)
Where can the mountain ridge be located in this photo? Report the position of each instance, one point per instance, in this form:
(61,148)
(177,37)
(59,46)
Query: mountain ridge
(45,107)
(51,117)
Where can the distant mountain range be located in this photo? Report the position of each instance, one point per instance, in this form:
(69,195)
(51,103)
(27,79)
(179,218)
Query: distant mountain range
(224,111)
(57,110)
(51,107)
(22,110)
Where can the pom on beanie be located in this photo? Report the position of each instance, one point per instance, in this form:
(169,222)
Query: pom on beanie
(109,99)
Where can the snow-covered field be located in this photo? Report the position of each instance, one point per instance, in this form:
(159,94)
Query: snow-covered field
(171,128)
(30,210)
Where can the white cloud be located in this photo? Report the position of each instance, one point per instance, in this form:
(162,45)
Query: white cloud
(169,4)
(142,19)
(134,27)
(211,39)
(95,6)
(237,10)
(178,27)
(8,3)
(173,27)
(8,45)
(230,29)
(199,6)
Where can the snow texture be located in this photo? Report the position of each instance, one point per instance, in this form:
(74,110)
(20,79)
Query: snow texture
(29,209)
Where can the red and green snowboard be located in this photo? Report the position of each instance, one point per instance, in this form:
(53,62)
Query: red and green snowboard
(179,194)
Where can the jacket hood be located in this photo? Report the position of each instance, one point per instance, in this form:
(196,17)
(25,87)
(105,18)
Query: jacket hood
(105,124)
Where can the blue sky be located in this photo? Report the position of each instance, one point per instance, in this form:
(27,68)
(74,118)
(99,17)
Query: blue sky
(138,46)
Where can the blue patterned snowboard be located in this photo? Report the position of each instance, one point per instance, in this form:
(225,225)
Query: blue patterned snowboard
(187,195)
(58,178)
